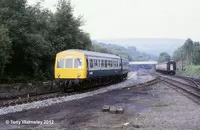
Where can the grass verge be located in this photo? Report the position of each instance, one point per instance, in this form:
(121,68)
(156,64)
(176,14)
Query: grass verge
(190,70)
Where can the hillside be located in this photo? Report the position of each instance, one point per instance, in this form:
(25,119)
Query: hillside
(152,46)
(129,52)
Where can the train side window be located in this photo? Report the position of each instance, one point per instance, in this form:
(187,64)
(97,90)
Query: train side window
(68,63)
(95,63)
(117,64)
(77,63)
(91,63)
(106,63)
(111,63)
(99,63)
(60,63)
(102,63)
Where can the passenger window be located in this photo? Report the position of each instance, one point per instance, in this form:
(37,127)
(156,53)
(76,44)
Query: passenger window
(69,63)
(95,64)
(78,63)
(102,63)
(106,63)
(99,63)
(60,63)
(91,63)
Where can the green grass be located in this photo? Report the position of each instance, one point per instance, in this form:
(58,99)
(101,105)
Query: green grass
(190,70)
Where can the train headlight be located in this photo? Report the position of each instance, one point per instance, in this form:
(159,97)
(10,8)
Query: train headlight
(58,75)
(79,75)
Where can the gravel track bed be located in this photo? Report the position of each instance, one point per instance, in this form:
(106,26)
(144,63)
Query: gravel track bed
(132,80)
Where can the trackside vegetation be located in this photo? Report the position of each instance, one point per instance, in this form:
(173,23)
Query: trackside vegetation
(189,53)
(191,71)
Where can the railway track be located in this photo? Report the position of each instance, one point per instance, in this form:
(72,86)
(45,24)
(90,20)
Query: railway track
(38,97)
(30,99)
(192,90)
(193,81)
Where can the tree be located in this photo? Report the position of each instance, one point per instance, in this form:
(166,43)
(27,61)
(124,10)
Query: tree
(67,33)
(13,17)
(5,49)
(188,48)
(164,56)
(179,54)
(196,53)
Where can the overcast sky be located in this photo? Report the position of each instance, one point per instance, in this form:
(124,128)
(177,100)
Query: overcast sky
(116,19)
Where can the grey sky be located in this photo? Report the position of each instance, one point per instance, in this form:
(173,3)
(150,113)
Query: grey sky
(116,19)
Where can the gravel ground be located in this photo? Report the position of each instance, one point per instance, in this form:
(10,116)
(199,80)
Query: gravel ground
(172,111)
(154,107)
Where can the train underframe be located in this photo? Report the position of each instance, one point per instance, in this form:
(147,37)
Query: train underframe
(166,72)
(78,84)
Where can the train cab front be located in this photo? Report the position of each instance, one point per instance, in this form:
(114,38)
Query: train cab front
(70,68)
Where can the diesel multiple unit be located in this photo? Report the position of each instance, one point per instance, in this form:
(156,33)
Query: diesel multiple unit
(167,67)
(78,66)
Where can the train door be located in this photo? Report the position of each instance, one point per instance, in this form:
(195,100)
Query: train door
(121,65)
(171,67)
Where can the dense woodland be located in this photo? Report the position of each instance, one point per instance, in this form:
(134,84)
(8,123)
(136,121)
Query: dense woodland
(30,37)
(189,52)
